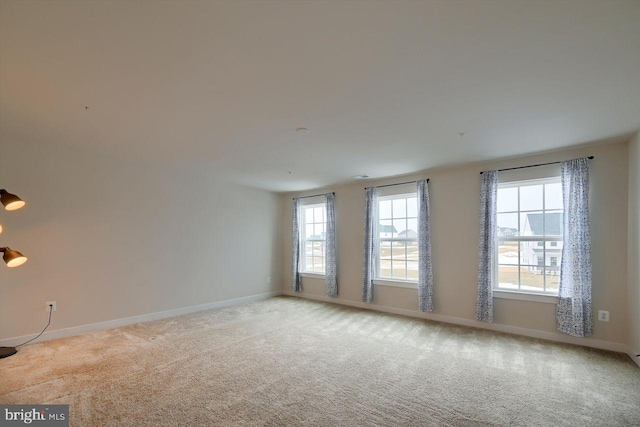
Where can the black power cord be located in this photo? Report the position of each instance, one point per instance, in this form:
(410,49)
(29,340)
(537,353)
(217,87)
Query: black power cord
(45,328)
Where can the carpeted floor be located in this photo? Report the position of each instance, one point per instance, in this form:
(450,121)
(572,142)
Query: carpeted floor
(288,361)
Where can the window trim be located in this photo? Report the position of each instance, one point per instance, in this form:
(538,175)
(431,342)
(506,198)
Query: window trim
(315,275)
(303,240)
(396,283)
(526,295)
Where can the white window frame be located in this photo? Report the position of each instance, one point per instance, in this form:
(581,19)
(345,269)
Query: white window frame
(304,240)
(388,281)
(527,294)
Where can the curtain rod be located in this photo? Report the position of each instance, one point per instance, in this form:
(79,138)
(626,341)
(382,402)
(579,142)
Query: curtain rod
(315,195)
(391,185)
(533,166)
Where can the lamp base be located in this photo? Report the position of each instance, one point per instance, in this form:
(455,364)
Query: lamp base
(7,351)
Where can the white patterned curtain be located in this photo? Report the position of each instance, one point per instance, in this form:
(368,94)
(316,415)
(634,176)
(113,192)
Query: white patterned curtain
(574,312)
(425,273)
(297,284)
(370,243)
(331,266)
(486,249)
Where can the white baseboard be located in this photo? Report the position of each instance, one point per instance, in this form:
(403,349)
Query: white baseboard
(109,324)
(549,336)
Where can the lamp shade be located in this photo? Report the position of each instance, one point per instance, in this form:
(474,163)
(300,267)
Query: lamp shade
(11,202)
(13,258)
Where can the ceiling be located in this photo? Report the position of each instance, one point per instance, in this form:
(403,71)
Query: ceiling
(384,87)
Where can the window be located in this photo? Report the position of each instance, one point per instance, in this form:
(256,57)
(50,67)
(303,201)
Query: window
(398,237)
(529,236)
(313,238)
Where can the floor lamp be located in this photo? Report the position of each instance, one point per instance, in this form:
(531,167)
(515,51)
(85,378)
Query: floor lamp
(12,258)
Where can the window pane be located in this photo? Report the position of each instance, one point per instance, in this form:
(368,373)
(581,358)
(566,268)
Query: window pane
(308,256)
(531,224)
(399,269)
(384,209)
(385,268)
(412,270)
(554,256)
(531,279)
(507,199)
(318,265)
(530,251)
(553,280)
(412,207)
(531,198)
(385,229)
(507,277)
(412,228)
(553,223)
(400,208)
(308,232)
(553,261)
(399,250)
(318,252)
(508,253)
(553,196)
(318,231)
(308,215)
(399,227)
(412,250)
(385,250)
(508,224)
(318,214)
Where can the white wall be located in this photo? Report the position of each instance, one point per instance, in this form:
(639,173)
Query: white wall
(455,198)
(110,239)
(634,242)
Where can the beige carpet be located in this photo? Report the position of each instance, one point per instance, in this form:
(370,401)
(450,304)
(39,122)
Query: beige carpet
(288,361)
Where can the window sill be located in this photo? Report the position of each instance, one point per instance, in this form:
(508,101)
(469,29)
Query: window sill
(523,296)
(313,275)
(396,283)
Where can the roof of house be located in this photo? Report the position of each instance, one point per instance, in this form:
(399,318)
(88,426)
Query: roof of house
(408,233)
(387,229)
(552,221)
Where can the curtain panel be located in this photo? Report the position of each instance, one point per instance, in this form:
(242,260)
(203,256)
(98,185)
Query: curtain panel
(425,272)
(331,263)
(370,243)
(297,284)
(574,312)
(486,250)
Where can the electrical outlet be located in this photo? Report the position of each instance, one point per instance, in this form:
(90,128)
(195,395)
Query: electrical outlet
(268,280)
(48,303)
(603,315)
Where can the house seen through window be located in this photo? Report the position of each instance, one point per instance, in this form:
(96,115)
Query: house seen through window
(529,242)
(397,255)
(314,226)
